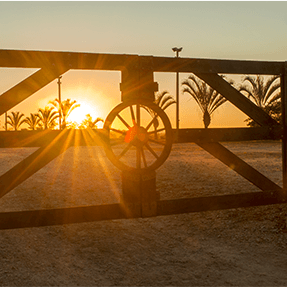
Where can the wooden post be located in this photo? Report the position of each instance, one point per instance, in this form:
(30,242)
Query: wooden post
(138,79)
(284,123)
(140,196)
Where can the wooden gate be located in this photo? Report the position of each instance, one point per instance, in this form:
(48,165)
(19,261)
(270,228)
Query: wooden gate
(137,76)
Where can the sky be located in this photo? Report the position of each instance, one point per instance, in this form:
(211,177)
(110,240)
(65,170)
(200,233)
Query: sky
(215,30)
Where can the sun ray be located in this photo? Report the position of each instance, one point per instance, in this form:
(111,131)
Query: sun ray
(79,114)
(99,155)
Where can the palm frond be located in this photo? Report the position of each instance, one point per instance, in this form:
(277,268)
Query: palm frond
(15,120)
(271,94)
(270,83)
(205,96)
(194,96)
(220,100)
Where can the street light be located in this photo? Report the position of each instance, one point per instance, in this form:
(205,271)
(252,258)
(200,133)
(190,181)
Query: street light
(6,123)
(177,50)
(60,112)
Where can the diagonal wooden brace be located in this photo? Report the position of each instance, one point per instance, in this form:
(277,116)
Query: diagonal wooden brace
(29,86)
(240,166)
(30,165)
(237,99)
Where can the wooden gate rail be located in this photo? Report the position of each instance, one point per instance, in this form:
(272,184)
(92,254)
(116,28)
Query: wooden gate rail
(70,215)
(96,136)
(40,138)
(116,62)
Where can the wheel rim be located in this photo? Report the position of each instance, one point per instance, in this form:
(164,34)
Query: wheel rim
(139,136)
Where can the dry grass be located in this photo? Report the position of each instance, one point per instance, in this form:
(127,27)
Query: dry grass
(233,247)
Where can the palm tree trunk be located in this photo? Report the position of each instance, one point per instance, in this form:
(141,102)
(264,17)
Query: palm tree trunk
(206,119)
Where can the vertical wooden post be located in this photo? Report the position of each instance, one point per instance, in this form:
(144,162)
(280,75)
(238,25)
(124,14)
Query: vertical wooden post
(284,124)
(139,189)
(138,79)
(140,196)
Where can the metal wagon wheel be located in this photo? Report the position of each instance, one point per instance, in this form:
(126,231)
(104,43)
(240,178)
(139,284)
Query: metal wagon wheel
(139,136)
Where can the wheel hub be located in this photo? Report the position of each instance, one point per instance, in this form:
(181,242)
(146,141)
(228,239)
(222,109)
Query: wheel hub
(138,136)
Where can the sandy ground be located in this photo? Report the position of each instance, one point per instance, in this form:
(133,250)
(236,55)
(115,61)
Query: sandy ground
(241,247)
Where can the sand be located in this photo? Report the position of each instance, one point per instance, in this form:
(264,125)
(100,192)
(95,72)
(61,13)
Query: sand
(241,247)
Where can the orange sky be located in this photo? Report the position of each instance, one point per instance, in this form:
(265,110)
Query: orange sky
(98,93)
(240,30)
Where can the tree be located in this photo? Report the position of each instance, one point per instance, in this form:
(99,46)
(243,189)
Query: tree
(47,118)
(88,122)
(206,97)
(15,120)
(64,109)
(32,121)
(163,100)
(265,94)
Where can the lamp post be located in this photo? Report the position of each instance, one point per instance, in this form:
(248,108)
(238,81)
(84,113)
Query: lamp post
(6,123)
(177,50)
(59,94)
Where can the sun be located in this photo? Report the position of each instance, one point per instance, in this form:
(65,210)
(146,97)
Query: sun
(79,114)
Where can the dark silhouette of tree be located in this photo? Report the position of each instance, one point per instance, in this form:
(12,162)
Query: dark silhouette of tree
(88,122)
(16,119)
(275,111)
(47,118)
(32,121)
(64,109)
(264,93)
(163,100)
(206,97)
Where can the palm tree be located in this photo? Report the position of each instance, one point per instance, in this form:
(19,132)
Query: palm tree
(15,120)
(64,109)
(265,94)
(206,97)
(32,121)
(163,100)
(47,118)
(88,122)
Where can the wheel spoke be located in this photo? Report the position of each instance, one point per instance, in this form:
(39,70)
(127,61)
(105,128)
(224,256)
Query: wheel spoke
(125,150)
(151,150)
(151,122)
(123,121)
(132,114)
